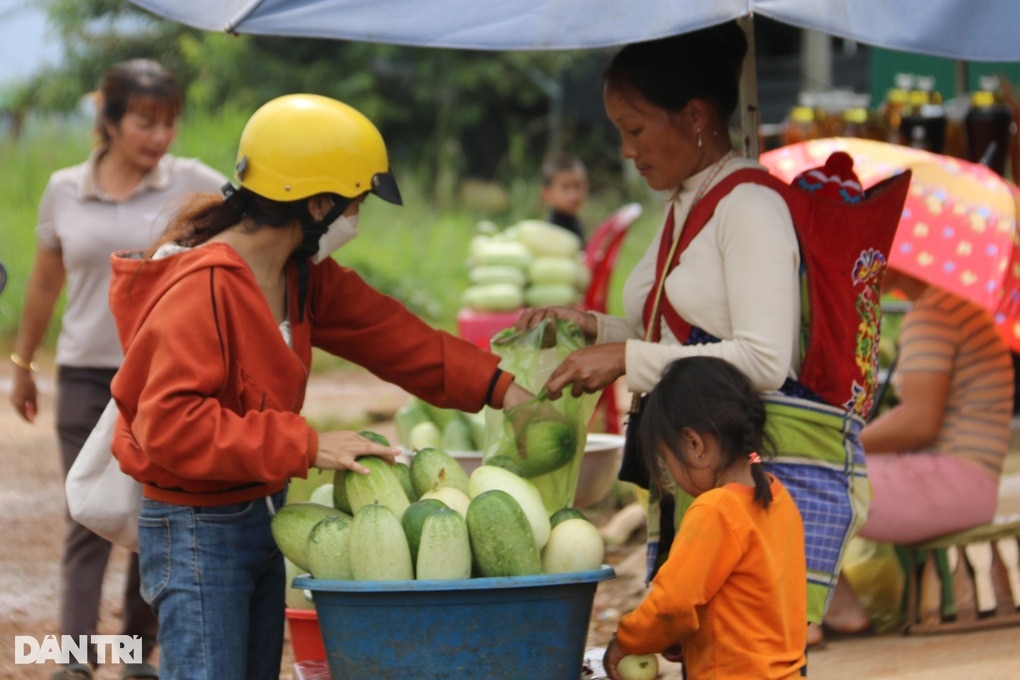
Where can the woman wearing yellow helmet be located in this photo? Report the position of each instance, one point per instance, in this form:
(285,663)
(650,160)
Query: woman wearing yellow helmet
(218,322)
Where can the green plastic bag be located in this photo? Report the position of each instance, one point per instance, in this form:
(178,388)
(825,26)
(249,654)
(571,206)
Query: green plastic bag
(876,576)
(543,440)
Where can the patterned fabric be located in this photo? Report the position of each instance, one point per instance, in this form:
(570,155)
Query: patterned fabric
(821,461)
(836,179)
(844,244)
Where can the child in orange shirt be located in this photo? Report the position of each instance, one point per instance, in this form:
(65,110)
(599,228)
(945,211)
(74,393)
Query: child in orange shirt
(730,601)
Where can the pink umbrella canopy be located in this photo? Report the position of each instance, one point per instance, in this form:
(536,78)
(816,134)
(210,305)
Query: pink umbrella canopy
(958,229)
(1007,315)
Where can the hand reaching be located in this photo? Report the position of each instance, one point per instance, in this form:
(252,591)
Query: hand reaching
(340,449)
(611,660)
(586,321)
(588,370)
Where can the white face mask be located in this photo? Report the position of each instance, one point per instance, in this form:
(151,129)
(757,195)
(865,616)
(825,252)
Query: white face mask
(340,232)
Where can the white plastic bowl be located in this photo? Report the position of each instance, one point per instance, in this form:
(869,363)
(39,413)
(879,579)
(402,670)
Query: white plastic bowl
(599,467)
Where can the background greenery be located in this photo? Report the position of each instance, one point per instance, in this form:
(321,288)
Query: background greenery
(416,252)
(446,113)
(466,132)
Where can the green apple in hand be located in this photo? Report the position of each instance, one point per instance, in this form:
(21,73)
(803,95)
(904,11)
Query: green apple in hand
(639,667)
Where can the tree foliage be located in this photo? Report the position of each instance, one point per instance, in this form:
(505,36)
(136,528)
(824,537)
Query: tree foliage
(447,113)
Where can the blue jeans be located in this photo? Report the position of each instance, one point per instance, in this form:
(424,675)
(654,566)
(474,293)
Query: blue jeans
(215,579)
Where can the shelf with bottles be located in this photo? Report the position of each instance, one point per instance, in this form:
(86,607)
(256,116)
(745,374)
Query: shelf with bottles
(832,113)
(989,126)
(980,127)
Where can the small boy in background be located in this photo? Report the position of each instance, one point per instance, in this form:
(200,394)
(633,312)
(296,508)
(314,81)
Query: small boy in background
(564,190)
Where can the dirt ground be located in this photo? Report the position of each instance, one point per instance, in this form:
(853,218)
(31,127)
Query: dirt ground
(32,507)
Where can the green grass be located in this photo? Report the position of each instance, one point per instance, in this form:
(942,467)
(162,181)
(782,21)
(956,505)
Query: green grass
(415,252)
(46,145)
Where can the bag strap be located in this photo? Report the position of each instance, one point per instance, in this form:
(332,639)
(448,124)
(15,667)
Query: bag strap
(669,251)
(669,257)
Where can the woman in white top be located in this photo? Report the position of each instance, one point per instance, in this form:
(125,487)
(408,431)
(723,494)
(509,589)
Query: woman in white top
(737,284)
(119,198)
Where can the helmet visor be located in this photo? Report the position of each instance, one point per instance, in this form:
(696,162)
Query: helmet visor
(384,185)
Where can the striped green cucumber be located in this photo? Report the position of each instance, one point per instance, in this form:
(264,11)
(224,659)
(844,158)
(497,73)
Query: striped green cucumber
(374,437)
(445,549)
(329,555)
(403,472)
(565,513)
(432,468)
(524,491)
(502,542)
(340,500)
(378,546)
(414,518)
(548,445)
(381,485)
(291,526)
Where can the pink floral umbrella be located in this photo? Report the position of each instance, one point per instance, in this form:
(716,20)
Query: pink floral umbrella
(1007,314)
(958,230)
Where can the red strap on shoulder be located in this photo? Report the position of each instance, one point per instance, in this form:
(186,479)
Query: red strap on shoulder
(699,216)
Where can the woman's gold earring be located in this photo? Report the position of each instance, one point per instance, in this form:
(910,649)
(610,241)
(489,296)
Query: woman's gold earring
(699,139)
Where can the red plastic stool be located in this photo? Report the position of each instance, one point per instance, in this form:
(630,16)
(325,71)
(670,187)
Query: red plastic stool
(601,252)
(305,635)
(479,327)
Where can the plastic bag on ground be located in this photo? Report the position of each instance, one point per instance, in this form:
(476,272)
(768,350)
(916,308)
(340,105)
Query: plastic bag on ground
(876,576)
(543,440)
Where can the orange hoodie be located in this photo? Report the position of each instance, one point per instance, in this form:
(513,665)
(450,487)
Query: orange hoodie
(731,594)
(210,393)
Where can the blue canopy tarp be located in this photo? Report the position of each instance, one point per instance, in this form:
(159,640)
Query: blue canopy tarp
(978,30)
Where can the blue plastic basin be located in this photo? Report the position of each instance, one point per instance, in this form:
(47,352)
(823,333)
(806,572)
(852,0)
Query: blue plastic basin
(512,628)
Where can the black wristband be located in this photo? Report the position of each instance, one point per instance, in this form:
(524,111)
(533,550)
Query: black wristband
(492,386)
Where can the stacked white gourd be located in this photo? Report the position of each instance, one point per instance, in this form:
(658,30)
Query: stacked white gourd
(532,263)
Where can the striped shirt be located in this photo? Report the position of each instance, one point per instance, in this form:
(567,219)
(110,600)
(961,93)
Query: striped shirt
(947,334)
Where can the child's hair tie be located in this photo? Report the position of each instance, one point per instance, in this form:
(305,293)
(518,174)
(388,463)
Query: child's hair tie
(754,458)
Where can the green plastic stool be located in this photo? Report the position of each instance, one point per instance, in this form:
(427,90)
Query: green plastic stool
(966,580)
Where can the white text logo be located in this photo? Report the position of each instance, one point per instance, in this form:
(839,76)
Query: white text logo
(67,649)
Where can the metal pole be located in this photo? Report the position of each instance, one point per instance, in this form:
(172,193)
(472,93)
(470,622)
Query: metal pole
(553,88)
(750,114)
(815,61)
(960,75)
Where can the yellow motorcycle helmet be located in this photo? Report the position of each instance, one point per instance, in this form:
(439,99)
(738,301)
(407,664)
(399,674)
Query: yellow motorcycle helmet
(300,145)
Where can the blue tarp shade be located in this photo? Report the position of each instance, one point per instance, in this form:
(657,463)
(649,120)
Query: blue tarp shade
(977,30)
